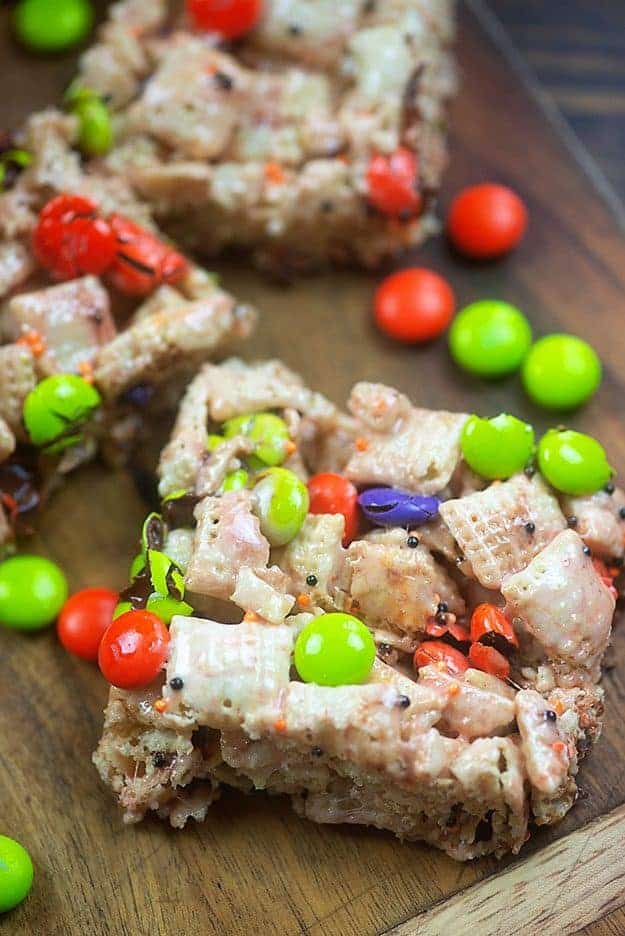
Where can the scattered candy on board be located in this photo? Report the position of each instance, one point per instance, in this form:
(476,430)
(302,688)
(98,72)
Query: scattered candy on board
(490,338)
(497,448)
(83,620)
(387,506)
(414,305)
(573,462)
(16,873)
(561,372)
(486,221)
(50,26)
(32,592)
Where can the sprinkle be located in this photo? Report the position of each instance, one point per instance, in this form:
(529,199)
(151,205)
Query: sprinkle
(454,689)
(312,580)
(530,527)
(550,715)
(412,542)
(558,747)
(326,207)
(86,371)
(33,340)
(176,683)
(621,513)
(316,752)
(161,705)
(559,707)
(361,444)
(442,607)
(571,522)
(160,759)
(250,617)
(280,725)
(303,600)
(587,550)
(224,81)
(610,487)
(290,447)
(274,173)
(295,30)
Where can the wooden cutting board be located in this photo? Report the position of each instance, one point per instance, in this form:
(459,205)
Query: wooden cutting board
(253,867)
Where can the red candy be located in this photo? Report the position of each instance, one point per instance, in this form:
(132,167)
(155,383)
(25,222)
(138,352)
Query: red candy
(229,18)
(70,240)
(414,305)
(489,620)
(486,221)
(392,183)
(436,651)
(133,650)
(142,261)
(489,660)
(333,494)
(84,619)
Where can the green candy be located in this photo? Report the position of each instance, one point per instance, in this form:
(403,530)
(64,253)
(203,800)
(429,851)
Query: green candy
(56,405)
(52,25)
(95,130)
(573,462)
(268,432)
(334,650)
(137,566)
(561,372)
(166,607)
(16,873)
(281,500)
(235,481)
(214,441)
(121,608)
(490,338)
(32,592)
(497,448)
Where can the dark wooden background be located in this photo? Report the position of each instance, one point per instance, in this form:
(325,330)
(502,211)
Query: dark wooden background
(253,867)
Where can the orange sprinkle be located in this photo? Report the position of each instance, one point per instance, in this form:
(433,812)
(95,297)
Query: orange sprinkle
(251,617)
(558,707)
(454,689)
(86,371)
(211,69)
(361,444)
(274,173)
(290,447)
(33,340)
(280,725)
(558,747)
(303,600)
(161,705)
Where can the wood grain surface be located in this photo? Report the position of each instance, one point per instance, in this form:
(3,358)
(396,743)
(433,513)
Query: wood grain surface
(253,867)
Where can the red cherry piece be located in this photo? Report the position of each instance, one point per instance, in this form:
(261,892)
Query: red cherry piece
(71,240)
(229,18)
(489,660)
(83,620)
(142,261)
(333,494)
(133,650)
(486,221)
(436,651)
(414,305)
(488,619)
(392,183)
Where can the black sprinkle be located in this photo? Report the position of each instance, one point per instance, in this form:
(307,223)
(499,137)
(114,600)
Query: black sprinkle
(530,471)
(295,30)
(316,752)
(368,6)
(327,206)
(311,580)
(412,542)
(440,617)
(224,81)
(484,828)
(571,522)
(402,701)
(176,683)
(442,607)
(610,487)
(587,550)
(160,760)
(550,715)
(621,513)
(384,649)
(530,527)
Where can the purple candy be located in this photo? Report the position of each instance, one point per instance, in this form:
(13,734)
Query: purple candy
(391,507)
